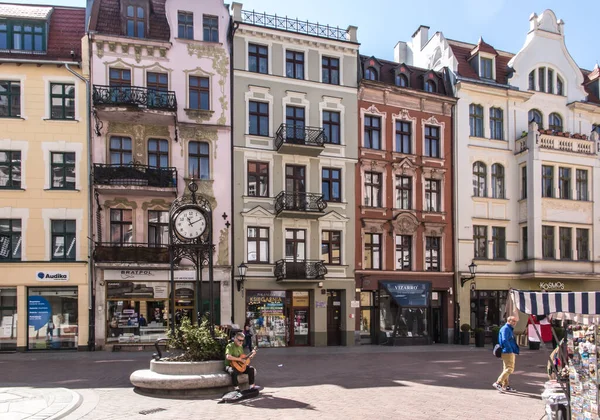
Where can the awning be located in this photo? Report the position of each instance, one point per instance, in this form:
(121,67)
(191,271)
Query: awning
(546,303)
(408,294)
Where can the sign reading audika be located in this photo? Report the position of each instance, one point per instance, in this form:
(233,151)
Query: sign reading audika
(52,275)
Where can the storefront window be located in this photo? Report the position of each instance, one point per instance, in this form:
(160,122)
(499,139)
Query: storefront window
(301,304)
(487,308)
(266,310)
(8,319)
(403,309)
(366,301)
(52,318)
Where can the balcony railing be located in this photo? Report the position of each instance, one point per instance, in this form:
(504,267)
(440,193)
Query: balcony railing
(296,201)
(134,95)
(299,135)
(135,175)
(300,270)
(131,252)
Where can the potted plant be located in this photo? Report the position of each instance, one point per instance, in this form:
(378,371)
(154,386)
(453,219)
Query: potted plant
(479,337)
(465,334)
(495,332)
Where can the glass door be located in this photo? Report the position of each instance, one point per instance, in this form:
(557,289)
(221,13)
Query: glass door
(295,187)
(294,120)
(295,253)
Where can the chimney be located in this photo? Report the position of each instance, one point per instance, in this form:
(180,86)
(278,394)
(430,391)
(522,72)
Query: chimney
(420,37)
(236,8)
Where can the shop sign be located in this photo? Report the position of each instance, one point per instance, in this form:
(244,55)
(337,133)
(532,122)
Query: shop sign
(550,285)
(52,275)
(152,275)
(355,304)
(300,299)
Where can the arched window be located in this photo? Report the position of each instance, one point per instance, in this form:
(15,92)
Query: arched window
(535,115)
(479,179)
(430,86)
(371,74)
(532,80)
(596,128)
(497,181)
(476,120)
(401,80)
(559,86)
(555,122)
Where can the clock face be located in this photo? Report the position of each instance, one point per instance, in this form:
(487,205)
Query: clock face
(189,223)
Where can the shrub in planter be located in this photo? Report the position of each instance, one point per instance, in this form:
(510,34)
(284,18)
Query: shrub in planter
(196,342)
(479,337)
(495,332)
(465,334)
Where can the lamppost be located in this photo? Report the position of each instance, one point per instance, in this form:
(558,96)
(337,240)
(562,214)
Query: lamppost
(242,268)
(472,270)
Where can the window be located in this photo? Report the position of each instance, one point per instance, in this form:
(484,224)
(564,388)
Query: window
(548,241)
(258,113)
(565,243)
(331,181)
(535,115)
(198,163)
(25,36)
(63,240)
(532,80)
(432,141)
(596,128)
(583,247)
(582,184)
(295,122)
(158,87)
(486,68)
(331,127)
(158,153)
(371,74)
(401,80)
(120,150)
(185,25)
(403,252)
(294,64)
(432,253)
(559,86)
(432,195)
(496,123)
(547,181)
(120,83)
(372,251)
(10,99)
(476,120)
(523,181)
(210,25)
(480,241)
(372,132)
(499,240)
(258,245)
(404,137)
(331,247)
(372,189)
(62,101)
(199,93)
(62,170)
(10,239)
(550,81)
(430,86)
(564,183)
(479,179)
(158,228)
(330,70)
(498,181)
(555,122)
(525,242)
(10,169)
(404,192)
(258,179)
(136,21)
(258,58)
(542,79)
(121,226)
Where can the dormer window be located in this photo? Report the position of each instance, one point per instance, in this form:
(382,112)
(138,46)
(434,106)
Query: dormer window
(555,122)
(486,66)
(22,35)
(401,80)
(430,86)
(371,74)
(136,21)
(545,79)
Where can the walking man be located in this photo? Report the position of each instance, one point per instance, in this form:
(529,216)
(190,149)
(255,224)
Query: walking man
(510,349)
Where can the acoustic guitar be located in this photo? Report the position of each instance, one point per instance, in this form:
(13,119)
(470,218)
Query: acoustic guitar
(241,366)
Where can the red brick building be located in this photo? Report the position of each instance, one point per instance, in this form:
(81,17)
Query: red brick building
(404,233)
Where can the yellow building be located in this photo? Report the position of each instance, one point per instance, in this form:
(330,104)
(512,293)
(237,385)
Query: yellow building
(44,173)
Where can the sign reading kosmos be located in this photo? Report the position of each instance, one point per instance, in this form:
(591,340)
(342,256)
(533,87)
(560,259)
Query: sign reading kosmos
(52,275)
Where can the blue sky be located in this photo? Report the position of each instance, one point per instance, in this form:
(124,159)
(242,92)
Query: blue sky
(382,23)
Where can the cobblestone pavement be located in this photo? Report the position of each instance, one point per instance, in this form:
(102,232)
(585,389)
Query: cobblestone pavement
(425,382)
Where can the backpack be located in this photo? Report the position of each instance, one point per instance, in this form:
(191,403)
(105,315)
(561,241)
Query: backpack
(497,350)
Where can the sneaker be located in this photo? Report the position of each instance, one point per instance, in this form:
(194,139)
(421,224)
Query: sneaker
(498,386)
(509,388)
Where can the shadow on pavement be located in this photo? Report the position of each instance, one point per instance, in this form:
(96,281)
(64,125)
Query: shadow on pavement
(276,403)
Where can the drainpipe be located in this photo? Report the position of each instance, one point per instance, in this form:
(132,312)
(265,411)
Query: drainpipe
(233,25)
(91,333)
(457,291)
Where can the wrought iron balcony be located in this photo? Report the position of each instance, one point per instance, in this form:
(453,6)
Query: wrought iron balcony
(307,203)
(135,175)
(300,270)
(136,96)
(298,139)
(131,252)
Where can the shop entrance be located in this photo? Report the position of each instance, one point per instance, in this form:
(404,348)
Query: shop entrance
(334,317)
(300,319)
(437,321)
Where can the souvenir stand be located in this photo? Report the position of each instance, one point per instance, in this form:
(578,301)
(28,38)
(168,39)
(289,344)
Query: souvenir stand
(577,396)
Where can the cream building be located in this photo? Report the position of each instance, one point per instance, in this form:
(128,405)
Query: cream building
(44,170)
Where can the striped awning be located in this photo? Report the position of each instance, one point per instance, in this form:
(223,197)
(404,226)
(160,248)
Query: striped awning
(546,303)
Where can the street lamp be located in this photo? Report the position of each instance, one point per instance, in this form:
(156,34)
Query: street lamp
(242,276)
(472,270)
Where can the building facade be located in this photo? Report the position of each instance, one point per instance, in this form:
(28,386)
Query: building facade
(295,149)
(526,131)
(161,117)
(44,194)
(404,233)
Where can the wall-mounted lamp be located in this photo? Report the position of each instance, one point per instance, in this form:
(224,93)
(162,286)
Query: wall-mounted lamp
(242,268)
(472,270)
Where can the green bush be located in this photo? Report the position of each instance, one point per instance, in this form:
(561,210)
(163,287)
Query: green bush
(196,342)
(495,330)
(465,328)
(478,330)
